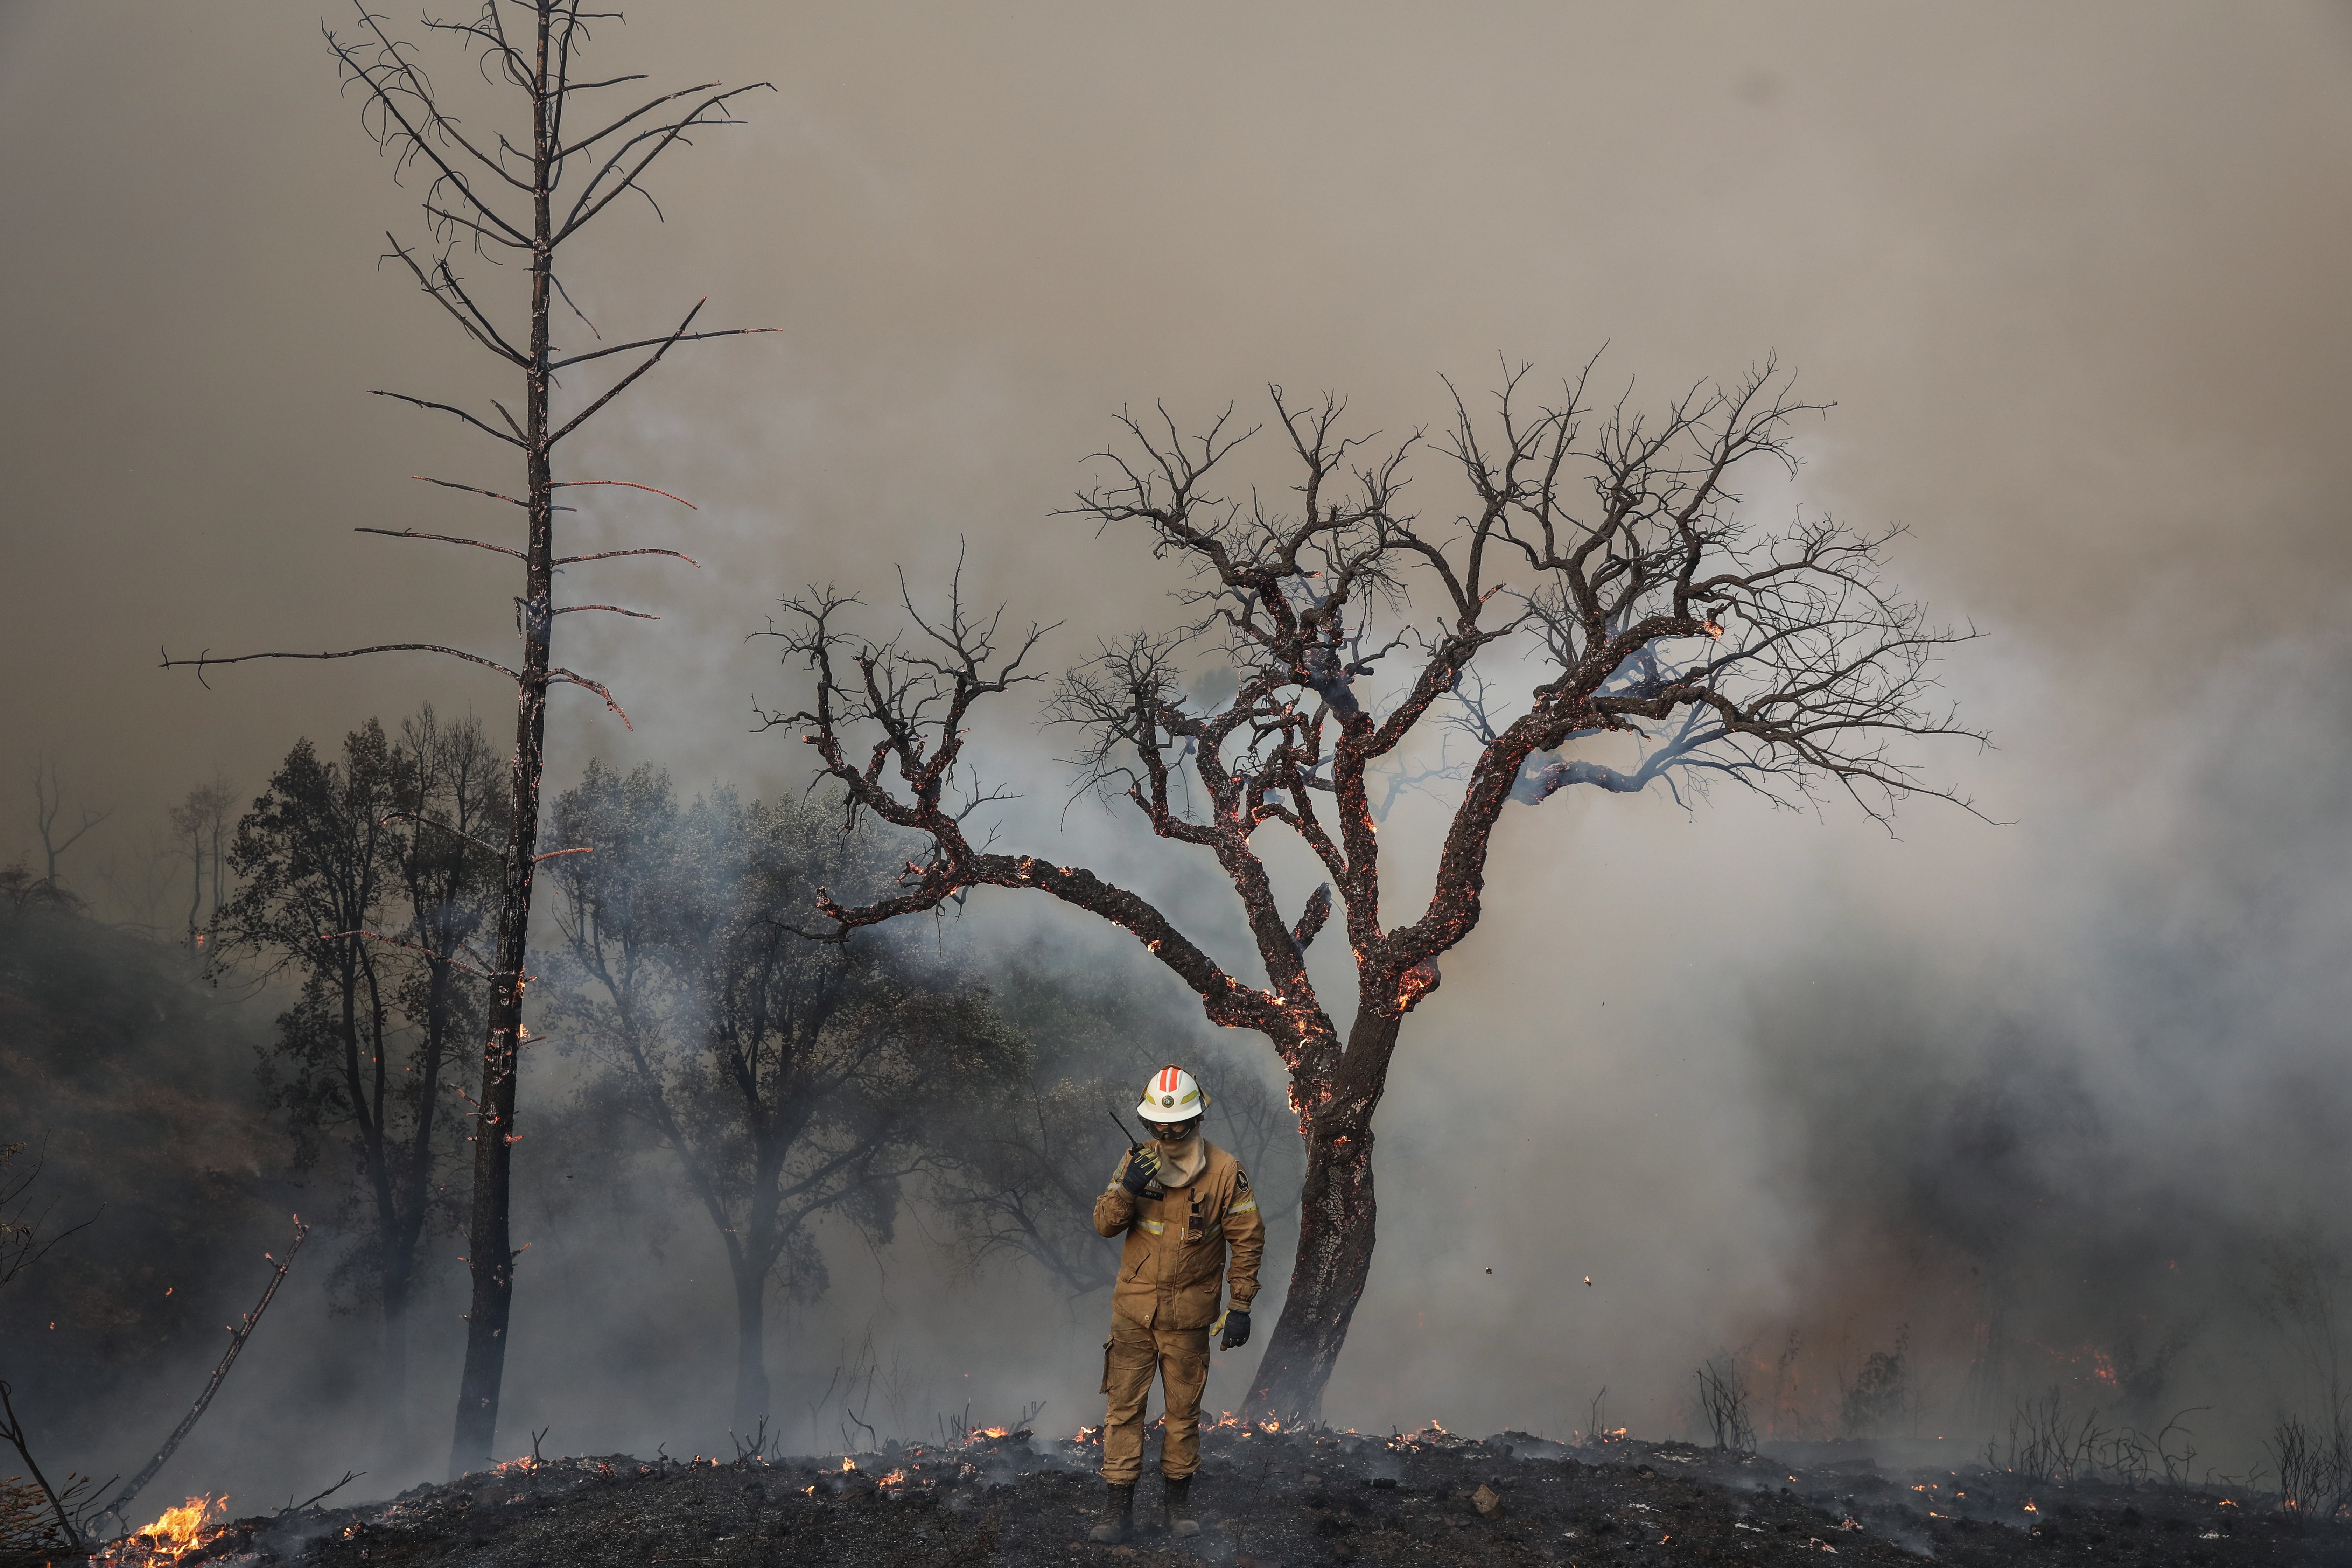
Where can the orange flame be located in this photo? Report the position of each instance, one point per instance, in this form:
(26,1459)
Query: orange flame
(848,1464)
(181,1531)
(895,1478)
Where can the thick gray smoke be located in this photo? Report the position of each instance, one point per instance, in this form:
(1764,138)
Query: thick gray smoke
(2053,1102)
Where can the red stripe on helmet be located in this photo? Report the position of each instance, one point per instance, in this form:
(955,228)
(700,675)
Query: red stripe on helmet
(1167,1080)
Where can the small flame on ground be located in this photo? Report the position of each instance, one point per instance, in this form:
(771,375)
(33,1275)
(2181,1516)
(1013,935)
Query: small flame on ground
(848,1464)
(179,1533)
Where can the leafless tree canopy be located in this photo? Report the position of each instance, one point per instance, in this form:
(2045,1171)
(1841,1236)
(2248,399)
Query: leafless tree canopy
(48,813)
(1600,609)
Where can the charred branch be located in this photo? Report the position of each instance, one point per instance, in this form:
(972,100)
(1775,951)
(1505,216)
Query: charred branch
(242,1332)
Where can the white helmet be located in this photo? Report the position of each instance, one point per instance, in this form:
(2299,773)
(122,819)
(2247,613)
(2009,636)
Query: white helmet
(1173,1095)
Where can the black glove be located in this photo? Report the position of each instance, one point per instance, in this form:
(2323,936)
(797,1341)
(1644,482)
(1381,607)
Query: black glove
(1237,1329)
(1141,1166)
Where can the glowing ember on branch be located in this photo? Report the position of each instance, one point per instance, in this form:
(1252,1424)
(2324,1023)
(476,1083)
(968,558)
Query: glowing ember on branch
(1418,982)
(171,1538)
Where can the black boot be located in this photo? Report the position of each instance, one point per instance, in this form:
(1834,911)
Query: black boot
(1117,1516)
(1176,1507)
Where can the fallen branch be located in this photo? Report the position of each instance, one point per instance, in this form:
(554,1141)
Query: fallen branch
(238,1335)
(293,1507)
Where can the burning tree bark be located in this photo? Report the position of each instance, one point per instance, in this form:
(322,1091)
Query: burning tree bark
(502,195)
(1601,572)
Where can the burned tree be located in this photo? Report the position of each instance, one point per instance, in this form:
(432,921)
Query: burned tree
(200,826)
(522,197)
(49,810)
(790,1080)
(1601,572)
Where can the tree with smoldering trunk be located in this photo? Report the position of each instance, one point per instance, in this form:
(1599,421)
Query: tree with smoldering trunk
(1601,613)
(791,1080)
(522,197)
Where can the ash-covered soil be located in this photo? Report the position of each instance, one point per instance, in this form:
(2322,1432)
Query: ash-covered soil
(1277,1500)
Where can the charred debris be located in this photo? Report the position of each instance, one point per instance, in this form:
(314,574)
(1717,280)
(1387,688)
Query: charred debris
(1272,1497)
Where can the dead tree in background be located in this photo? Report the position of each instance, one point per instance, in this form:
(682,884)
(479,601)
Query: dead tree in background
(501,197)
(790,1080)
(200,826)
(49,806)
(1600,572)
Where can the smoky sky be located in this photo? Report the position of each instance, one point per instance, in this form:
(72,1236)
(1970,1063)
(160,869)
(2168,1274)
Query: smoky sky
(2074,279)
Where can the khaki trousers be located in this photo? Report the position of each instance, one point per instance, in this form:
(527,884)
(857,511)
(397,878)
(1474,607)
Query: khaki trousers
(1131,1356)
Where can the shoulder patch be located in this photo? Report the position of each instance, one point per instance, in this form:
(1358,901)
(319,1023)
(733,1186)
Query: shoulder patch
(1241,1180)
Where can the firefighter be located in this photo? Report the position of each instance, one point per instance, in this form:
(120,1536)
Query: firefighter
(1182,1202)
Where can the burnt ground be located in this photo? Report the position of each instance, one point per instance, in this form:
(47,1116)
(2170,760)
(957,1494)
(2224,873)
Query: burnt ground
(1268,1500)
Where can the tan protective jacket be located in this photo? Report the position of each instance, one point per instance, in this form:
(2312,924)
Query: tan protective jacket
(1174,1260)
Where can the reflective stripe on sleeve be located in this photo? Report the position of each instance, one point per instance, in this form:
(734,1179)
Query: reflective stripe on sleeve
(1247,1205)
(1154,1225)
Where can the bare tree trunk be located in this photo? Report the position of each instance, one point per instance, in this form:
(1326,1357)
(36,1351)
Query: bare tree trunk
(1336,1211)
(489,1234)
(398,1286)
(196,890)
(750,1345)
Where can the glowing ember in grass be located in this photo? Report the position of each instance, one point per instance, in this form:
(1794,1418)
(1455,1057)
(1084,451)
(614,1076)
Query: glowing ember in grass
(182,1530)
(895,1478)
